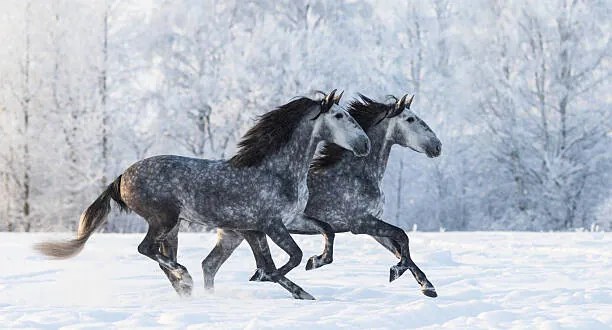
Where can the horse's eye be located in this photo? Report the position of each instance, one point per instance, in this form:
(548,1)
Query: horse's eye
(410,119)
(338,115)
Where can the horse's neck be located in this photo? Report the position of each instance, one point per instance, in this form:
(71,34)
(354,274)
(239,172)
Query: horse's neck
(293,159)
(375,163)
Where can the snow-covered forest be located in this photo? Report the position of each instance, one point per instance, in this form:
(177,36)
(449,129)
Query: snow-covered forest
(517,91)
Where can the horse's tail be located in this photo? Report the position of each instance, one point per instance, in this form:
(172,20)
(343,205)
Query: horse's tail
(94,217)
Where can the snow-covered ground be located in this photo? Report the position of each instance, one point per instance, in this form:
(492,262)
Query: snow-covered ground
(484,280)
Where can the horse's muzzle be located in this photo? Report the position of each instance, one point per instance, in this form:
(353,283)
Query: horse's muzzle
(362,147)
(434,150)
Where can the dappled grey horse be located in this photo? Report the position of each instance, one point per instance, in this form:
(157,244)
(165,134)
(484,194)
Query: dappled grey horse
(251,192)
(345,194)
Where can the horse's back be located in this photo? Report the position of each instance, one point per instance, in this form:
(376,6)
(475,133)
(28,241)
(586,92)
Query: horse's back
(157,185)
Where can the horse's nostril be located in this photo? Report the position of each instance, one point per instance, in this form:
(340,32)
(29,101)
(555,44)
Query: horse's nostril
(438,148)
(364,147)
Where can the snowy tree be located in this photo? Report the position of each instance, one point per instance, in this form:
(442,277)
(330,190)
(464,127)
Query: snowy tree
(518,93)
(550,136)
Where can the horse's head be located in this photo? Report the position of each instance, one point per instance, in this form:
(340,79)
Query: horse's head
(408,130)
(336,125)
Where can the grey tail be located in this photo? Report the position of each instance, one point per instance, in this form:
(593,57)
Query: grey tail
(94,217)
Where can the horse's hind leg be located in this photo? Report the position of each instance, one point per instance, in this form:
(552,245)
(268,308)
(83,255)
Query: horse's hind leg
(390,245)
(266,270)
(227,242)
(376,227)
(169,248)
(151,246)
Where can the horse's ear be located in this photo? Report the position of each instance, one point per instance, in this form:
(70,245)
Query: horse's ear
(409,102)
(366,99)
(330,97)
(328,101)
(401,103)
(337,99)
(398,108)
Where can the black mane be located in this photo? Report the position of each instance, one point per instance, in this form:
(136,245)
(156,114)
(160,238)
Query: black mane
(272,131)
(367,113)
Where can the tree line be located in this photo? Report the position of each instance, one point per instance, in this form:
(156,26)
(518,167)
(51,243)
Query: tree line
(518,93)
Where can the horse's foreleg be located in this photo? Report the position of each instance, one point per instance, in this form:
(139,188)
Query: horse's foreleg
(281,237)
(263,259)
(227,242)
(151,247)
(309,224)
(266,269)
(376,227)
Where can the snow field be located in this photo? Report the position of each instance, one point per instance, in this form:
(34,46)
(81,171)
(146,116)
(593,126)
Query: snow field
(484,280)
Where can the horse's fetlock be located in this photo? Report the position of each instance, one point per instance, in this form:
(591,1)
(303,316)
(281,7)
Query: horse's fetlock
(205,266)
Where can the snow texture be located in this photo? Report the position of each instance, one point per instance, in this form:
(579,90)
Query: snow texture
(484,280)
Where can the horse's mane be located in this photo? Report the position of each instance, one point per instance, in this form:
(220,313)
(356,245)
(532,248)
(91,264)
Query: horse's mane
(367,113)
(272,131)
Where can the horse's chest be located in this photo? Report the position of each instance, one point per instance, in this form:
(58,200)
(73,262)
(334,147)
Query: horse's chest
(374,198)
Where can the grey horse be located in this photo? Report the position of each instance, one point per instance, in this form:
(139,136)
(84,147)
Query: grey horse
(251,192)
(335,174)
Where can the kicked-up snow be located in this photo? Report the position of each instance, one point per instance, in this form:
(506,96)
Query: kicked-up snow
(483,279)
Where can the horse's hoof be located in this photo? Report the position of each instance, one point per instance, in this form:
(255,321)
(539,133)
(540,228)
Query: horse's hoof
(260,276)
(311,263)
(430,292)
(395,272)
(257,276)
(184,286)
(209,285)
(316,262)
(302,295)
(184,291)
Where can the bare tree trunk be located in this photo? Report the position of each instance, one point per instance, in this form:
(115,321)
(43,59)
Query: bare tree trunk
(9,221)
(109,226)
(27,98)
(104,95)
